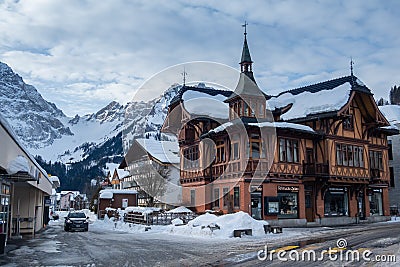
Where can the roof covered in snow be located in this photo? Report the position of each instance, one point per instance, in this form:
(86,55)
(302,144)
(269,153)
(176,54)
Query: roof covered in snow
(284,125)
(12,134)
(121,173)
(391,113)
(260,123)
(324,97)
(109,193)
(163,151)
(188,92)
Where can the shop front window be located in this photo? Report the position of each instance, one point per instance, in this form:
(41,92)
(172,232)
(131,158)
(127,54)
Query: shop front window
(288,205)
(236,197)
(375,203)
(336,202)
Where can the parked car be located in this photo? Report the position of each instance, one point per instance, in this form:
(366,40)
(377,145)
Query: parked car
(76,221)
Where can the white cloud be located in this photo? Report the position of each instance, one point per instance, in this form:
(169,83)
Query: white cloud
(111,47)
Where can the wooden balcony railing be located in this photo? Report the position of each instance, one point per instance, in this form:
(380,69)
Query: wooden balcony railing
(375,173)
(315,168)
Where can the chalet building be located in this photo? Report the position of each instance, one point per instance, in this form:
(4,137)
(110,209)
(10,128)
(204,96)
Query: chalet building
(315,154)
(25,188)
(392,113)
(146,157)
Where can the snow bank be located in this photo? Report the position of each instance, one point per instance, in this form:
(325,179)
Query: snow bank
(177,221)
(142,210)
(180,209)
(208,224)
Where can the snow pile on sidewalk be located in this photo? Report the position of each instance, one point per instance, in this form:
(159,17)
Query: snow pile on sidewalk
(142,210)
(220,226)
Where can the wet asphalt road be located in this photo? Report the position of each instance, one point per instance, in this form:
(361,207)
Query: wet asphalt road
(54,247)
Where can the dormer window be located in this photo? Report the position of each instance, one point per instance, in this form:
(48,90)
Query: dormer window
(348,123)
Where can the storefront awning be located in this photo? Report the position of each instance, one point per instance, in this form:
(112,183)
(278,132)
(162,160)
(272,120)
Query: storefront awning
(18,177)
(378,186)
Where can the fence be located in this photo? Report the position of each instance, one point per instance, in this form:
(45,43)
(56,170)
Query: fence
(161,218)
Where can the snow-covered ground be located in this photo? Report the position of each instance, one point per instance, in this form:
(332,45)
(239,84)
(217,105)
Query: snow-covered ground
(203,227)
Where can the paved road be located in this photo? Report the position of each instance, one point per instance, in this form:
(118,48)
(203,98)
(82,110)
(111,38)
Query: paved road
(54,247)
(375,245)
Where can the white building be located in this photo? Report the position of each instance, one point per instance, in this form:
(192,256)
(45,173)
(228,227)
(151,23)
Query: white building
(25,187)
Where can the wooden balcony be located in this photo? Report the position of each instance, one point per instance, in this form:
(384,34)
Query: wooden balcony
(315,168)
(375,174)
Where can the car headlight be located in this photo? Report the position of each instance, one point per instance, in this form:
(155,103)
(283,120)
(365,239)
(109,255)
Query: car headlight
(69,221)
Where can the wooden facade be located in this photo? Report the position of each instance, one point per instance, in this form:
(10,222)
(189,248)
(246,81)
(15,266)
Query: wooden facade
(327,167)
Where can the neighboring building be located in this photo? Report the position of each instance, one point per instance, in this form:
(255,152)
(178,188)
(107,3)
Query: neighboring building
(25,187)
(67,200)
(146,154)
(315,154)
(73,200)
(392,113)
(55,197)
(117,178)
(115,199)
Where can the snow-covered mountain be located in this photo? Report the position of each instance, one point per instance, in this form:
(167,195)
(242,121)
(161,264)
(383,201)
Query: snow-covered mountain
(37,122)
(46,131)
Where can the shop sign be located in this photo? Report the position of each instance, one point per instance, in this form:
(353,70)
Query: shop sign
(337,189)
(124,203)
(288,188)
(47,202)
(256,188)
(377,190)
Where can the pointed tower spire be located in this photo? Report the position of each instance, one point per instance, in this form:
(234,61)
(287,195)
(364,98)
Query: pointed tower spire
(246,62)
(351,71)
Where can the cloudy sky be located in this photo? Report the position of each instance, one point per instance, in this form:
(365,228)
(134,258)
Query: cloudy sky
(83,54)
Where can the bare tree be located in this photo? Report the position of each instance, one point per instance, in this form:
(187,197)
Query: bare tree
(152,178)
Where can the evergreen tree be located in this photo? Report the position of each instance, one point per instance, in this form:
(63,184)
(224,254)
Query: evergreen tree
(394,95)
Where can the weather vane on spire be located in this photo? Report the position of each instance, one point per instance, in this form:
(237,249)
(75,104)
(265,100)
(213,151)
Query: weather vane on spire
(245,27)
(184,73)
(351,66)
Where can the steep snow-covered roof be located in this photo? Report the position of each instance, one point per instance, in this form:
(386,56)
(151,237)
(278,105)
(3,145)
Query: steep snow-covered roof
(201,88)
(122,173)
(205,106)
(163,151)
(391,113)
(202,103)
(322,97)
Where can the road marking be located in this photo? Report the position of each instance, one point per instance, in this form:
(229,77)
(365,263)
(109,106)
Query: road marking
(287,248)
(335,250)
(309,248)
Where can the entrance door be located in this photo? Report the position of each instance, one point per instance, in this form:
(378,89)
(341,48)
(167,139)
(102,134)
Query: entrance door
(256,205)
(361,206)
(309,206)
